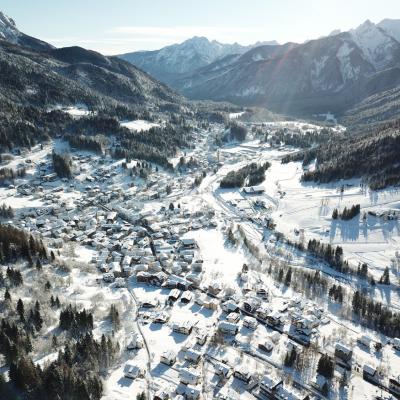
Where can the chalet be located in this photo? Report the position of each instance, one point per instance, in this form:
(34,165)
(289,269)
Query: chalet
(186,297)
(150,303)
(143,276)
(135,341)
(268,386)
(266,346)
(370,374)
(262,312)
(242,373)
(222,369)
(214,288)
(192,356)
(189,243)
(343,353)
(254,190)
(161,317)
(228,328)
(111,217)
(364,340)
(233,318)
(168,357)
(189,376)
(187,392)
(274,319)
(250,322)
(161,395)
(134,371)
(201,338)
(108,277)
(230,306)
(396,343)
(394,386)
(174,295)
(251,304)
(210,303)
(184,327)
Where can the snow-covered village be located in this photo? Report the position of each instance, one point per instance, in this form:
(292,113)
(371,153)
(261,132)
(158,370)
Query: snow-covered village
(156,246)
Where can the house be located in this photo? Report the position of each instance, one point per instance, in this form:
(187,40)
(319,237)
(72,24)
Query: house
(396,343)
(230,306)
(168,357)
(120,282)
(192,356)
(161,317)
(228,328)
(187,392)
(268,386)
(266,346)
(254,190)
(174,295)
(364,340)
(161,395)
(214,288)
(274,319)
(142,276)
(242,373)
(222,369)
(186,297)
(233,318)
(184,327)
(189,243)
(111,217)
(135,341)
(250,322)
(132,371)
(201,338)
(394,386)
(108,277)
(189,376)
(370,374)
(150,303)
(343,353)
(210,303)
(263,311)
(251,304)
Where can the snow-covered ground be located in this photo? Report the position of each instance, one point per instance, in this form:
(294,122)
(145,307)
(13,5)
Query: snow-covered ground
(139,125)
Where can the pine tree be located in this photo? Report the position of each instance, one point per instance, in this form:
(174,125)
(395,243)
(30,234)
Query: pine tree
(385,278)
(20,309)
(7,296)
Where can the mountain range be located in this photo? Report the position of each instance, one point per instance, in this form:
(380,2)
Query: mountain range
(172,62)
(333,73)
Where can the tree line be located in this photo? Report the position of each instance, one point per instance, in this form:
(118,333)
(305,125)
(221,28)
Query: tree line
(251,174)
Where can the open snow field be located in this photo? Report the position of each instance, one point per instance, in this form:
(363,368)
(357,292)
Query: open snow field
(139,125)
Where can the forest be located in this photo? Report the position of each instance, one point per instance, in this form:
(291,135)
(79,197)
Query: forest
(372,156)
(251,174)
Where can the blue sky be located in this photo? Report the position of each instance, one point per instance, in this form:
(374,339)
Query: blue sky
(118,26)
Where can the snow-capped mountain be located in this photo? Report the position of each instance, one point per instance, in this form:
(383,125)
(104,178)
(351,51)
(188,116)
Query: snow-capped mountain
(329,73)
(10,32)
(171,62)
(377,45)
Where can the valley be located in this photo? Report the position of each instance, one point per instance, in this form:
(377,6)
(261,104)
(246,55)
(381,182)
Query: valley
(194,270)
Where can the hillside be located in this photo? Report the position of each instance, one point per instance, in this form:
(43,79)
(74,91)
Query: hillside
(371,155)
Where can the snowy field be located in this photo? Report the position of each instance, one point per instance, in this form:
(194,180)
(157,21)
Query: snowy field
(139,125)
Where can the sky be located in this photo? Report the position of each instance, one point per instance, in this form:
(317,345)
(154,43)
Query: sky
(120,26)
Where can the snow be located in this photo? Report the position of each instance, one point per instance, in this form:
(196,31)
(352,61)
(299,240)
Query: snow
(139,125)
(375,43)
(235,115)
